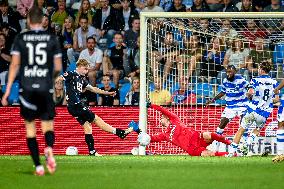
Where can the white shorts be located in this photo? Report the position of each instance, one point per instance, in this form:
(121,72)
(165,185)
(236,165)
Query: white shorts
(280,116)
(230,113)
(253,119)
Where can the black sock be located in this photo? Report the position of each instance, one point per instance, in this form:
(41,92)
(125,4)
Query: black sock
(49,138)
(90,141)
(33,147)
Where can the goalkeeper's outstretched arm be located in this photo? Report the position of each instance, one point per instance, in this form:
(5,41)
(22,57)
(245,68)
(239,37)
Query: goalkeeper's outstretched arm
(164,111)
(158,137)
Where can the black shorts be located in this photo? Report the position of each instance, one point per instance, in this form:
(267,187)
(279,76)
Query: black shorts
(37,105)
(81,112)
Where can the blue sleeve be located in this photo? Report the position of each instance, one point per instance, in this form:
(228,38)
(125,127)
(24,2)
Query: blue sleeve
(253,84)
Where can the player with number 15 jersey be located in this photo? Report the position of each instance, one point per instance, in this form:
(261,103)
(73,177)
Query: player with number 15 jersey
(37,49)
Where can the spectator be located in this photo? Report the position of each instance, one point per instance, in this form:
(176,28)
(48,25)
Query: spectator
(59,15)
(108,100)
(80,39)
(259,54)
(132,97)
(212,60)
(177,6)
(159,95)
(184,95)
(166,4)
(237,56)
(141,4)
(7,15)
(189,63)
(199,6)
(152,7)
(166,55)
(46,24)
(59,96)
(251,32)
(229,6)
(23,7)
(115,59)
(245,6)
(67,39)
(205,29)
(41,4)
(214,5)
(132,34)
(95,58)
(128,14)
(9,33)
(107,21)
(5,59)
(86,11)
(227,32)
(274,7)
(188,4)
(134,61)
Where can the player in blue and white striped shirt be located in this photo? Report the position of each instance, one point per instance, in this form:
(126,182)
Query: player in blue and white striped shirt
(235,88)
(261,92)
(280,130)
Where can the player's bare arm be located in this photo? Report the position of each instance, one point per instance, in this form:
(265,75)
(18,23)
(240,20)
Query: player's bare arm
(250,93)
(13,70)
(99,91)
(279,87)
(218,96)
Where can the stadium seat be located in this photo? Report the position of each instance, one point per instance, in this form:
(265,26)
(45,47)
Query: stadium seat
(14,95)
(278,53)
(72,66)
(204,90)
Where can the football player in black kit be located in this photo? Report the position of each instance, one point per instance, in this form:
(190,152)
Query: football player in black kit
(76,84)
(36,57)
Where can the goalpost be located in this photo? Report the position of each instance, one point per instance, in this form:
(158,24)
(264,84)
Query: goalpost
(181,59)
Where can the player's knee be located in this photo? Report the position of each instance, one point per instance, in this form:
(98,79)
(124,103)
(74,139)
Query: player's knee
(87,128)
(207,153)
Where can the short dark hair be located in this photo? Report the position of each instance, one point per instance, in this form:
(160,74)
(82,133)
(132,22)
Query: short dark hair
(265,66)
(83,17)
(91,37)
(232,67)
(4,3)
(35,15)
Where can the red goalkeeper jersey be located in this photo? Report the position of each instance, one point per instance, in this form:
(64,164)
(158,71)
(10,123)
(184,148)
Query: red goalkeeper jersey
(178,134)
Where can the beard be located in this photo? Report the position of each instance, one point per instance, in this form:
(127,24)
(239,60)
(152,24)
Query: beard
(231,78)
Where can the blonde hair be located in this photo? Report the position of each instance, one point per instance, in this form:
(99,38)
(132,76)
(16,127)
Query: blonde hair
(82,62)
(72,25)
(89,14)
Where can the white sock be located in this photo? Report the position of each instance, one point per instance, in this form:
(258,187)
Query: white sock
(251,138)
(219,131)
(114,131)
(245,136)
(233,147)
(280,142)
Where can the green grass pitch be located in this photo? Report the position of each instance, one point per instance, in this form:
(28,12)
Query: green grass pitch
(145,172)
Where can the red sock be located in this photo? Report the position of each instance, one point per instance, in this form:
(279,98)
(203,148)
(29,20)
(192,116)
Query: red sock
(220,138)
(221,153)
(224,153)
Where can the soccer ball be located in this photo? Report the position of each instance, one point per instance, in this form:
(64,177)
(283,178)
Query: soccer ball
(144,139)
(71,151)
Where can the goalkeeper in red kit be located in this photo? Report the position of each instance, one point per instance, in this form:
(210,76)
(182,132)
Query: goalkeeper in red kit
(193,142)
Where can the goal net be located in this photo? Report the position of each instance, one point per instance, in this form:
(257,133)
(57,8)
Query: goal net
(183,56)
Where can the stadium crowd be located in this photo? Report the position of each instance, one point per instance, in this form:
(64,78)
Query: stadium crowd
(106,34)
